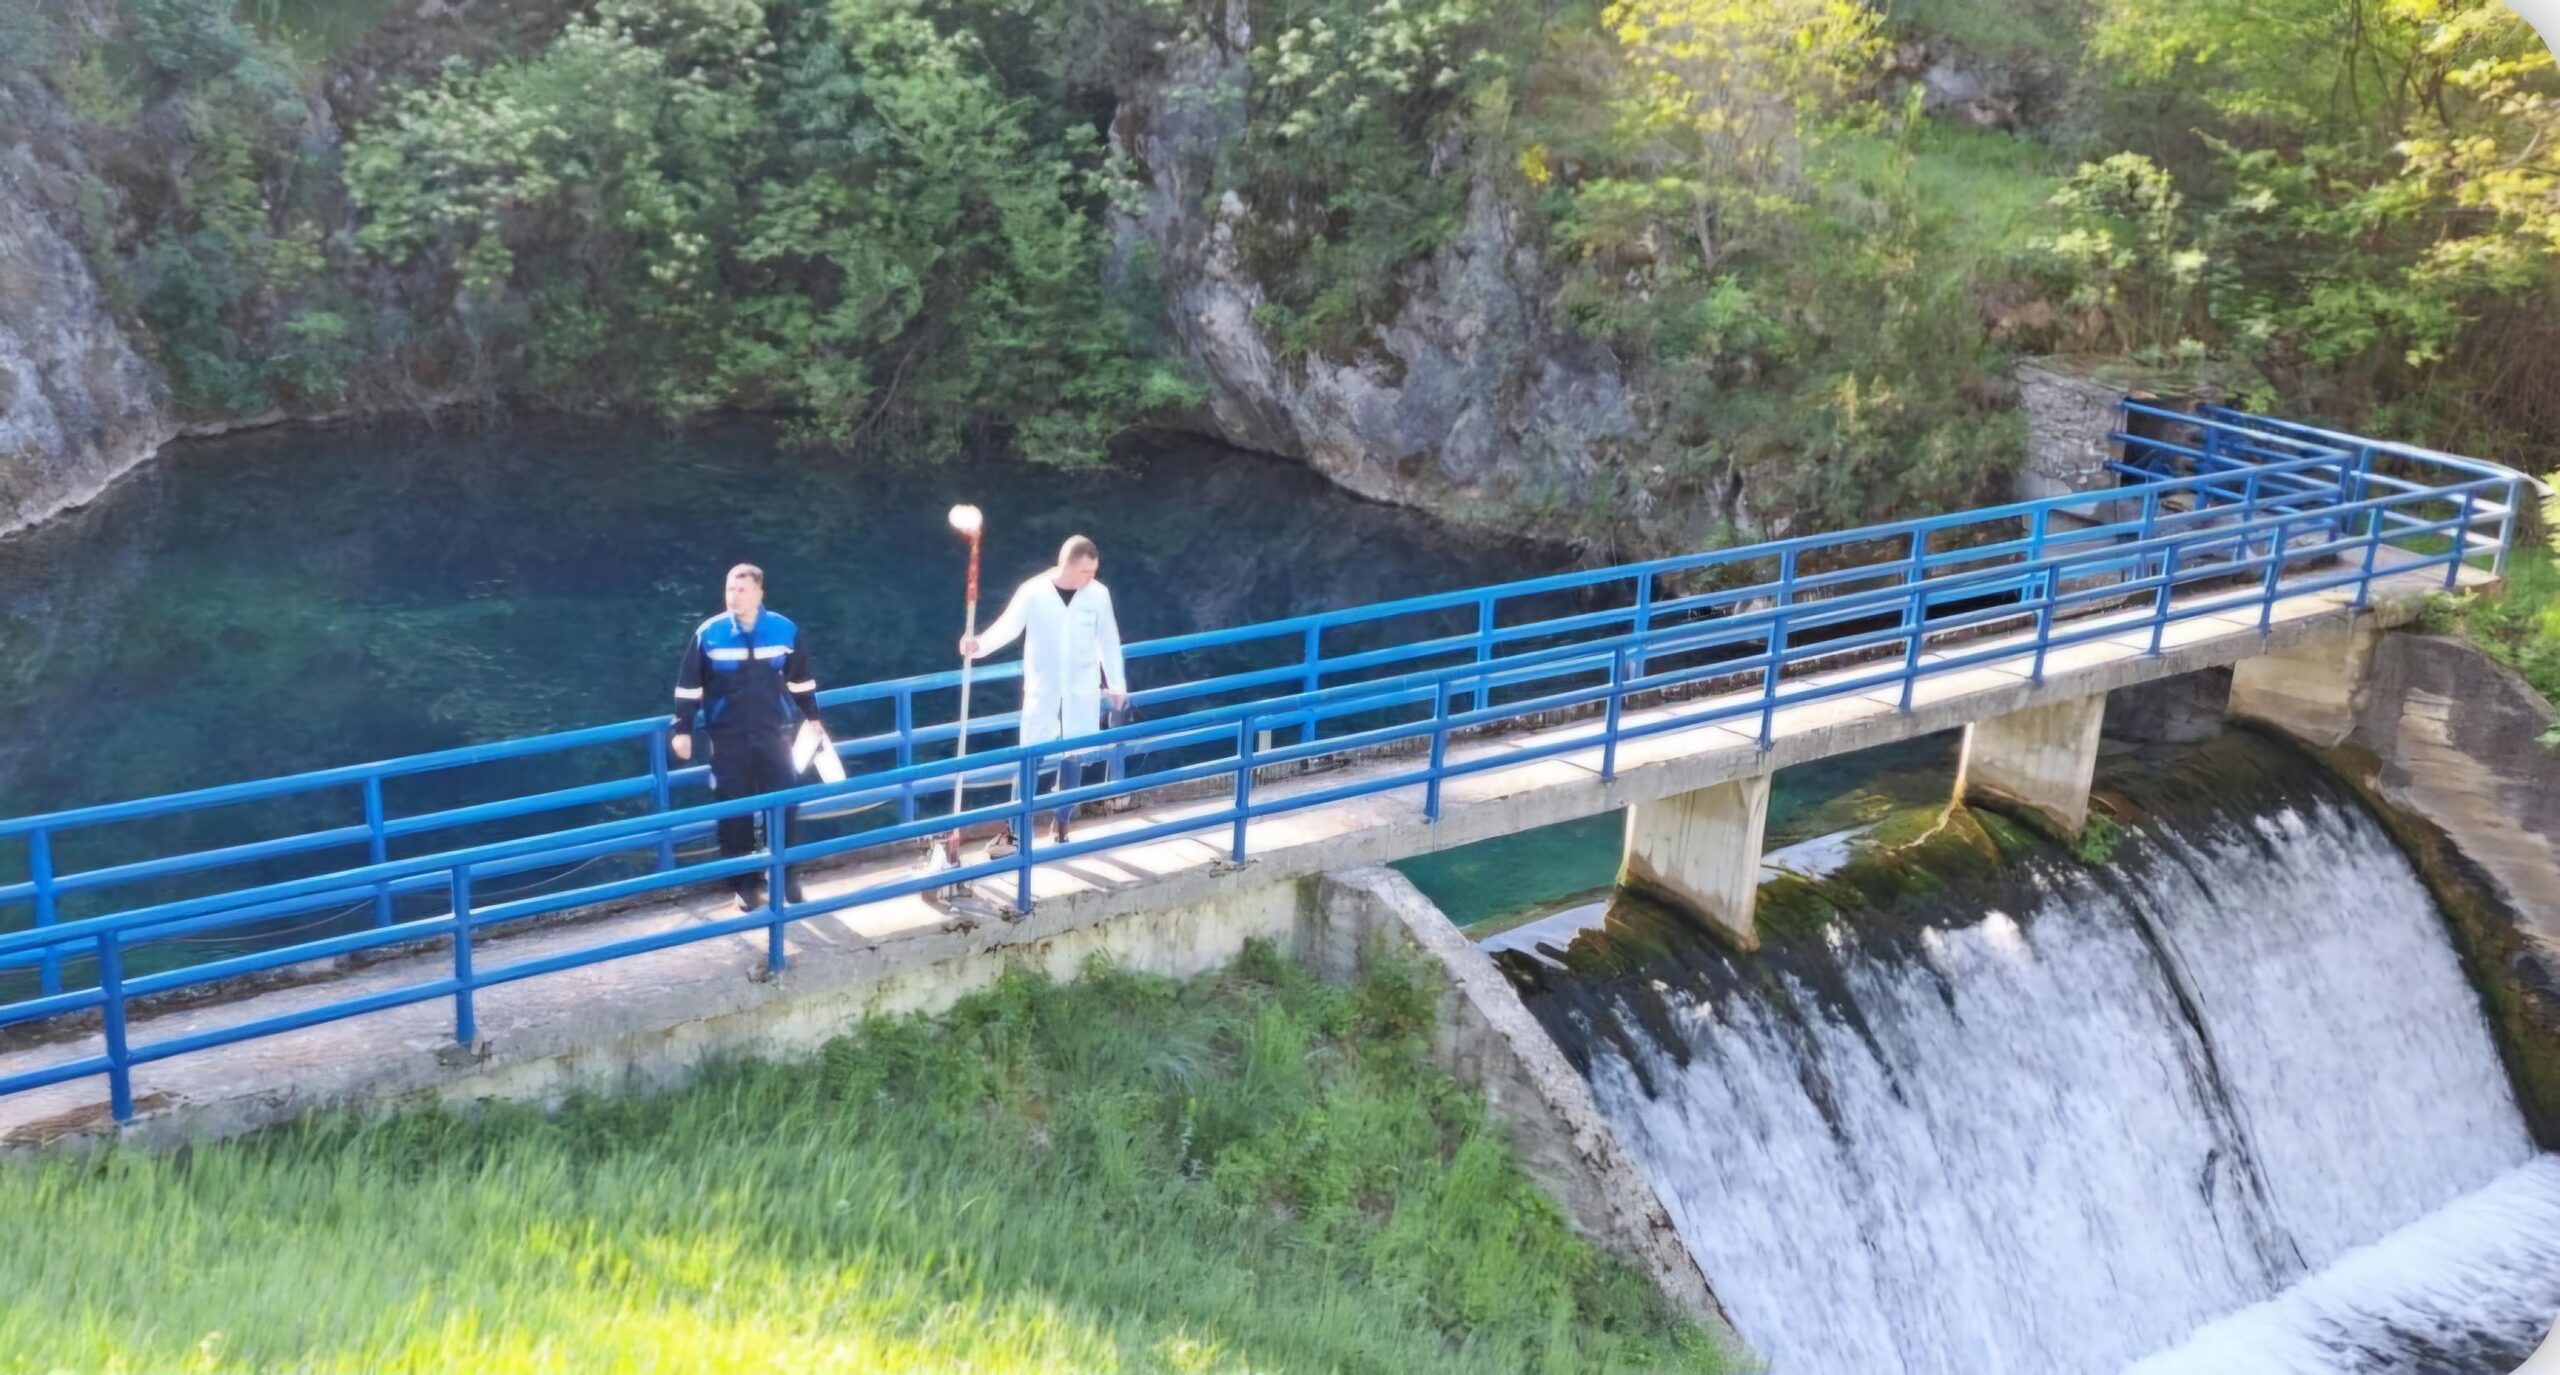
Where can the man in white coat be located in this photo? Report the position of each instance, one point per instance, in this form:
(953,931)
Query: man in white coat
(1070,658)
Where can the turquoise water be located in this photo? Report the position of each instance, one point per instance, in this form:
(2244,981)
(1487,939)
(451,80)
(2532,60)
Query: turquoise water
(1495,882)
(302,598)
(296,599)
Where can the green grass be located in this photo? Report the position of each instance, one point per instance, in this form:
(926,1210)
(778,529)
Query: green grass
(1253,1172)
(2520,626)
(1988,192)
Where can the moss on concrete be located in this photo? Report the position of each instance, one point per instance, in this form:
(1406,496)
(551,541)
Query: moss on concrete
(1915,852)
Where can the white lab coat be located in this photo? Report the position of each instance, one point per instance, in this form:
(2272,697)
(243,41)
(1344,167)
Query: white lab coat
(1070,652)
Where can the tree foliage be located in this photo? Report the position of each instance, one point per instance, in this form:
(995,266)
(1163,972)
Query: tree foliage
(887,218)
(1727,88)
(2372,209)
(836,209)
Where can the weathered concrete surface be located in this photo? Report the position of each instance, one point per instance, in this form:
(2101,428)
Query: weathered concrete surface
(1486,1038)
(2173,711)
(2309,689)
(2040,760)
(1701,850)
(607,1019)
(2440,729)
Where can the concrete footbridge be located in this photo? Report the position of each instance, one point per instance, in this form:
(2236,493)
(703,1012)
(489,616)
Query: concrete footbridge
(453,963)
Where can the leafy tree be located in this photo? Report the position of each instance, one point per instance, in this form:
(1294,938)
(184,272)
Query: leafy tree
(1726,87)
(2377,207)
(835,209)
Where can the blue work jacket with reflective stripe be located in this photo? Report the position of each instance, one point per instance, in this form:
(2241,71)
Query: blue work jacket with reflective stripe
(746,678)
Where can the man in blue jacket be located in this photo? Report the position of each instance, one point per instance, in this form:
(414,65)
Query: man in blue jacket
(747,671)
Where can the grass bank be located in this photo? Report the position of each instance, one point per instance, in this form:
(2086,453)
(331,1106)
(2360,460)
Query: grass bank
(2519,626)
(1253,1171)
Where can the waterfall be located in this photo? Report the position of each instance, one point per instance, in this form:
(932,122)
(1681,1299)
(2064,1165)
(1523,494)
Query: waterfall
(2058,1120)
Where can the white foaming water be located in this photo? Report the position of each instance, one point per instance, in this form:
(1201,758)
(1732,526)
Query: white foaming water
(2060,1139)
(2338,955)
(2471,1286)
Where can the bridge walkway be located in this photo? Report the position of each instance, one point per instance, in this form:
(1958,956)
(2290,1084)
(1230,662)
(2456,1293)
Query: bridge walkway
(412,1048)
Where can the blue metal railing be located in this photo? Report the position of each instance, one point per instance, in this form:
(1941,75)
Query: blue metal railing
(2221,511)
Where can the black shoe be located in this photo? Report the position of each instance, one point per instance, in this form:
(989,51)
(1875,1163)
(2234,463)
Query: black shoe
(792,894)
(750,893)
(1058,829)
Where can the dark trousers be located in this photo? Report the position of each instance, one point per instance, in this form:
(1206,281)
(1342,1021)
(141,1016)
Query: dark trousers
(1065,776)
(745,765)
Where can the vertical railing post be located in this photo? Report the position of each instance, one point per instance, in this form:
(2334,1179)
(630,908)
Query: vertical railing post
(2048,589)
(1244,786)
(466,1022)
(1916,571)
(2160,603)
(119,1057)
(2507,526)
(1312,680)
(1026,785)
(2275,576)
(377,846)
(1617,703)
(2461,543)
(2147,530)
(660,794)
(1484,648)
(40,874)
(906,727)
(777,845)
(1915,617)
(1777,641)
(2353,479)
(1439,749)
(1915,612)
(1644,618)
(2209,443)
(2248,512)
(2372,551)
(2043,584)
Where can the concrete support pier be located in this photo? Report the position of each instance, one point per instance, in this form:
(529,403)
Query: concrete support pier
(2040,760)
(2307,689)
(1701,850)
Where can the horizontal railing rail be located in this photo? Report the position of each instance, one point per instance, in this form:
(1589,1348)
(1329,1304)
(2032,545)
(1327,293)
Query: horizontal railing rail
(2221,511)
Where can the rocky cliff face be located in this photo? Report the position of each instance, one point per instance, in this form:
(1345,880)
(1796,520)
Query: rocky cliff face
(1470,402)
(78,404)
